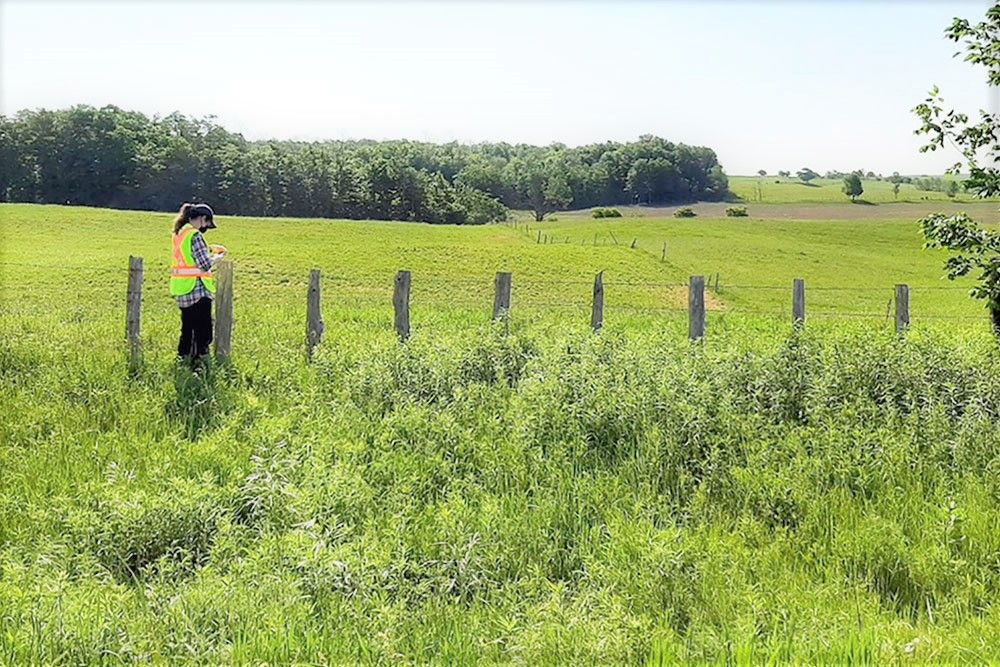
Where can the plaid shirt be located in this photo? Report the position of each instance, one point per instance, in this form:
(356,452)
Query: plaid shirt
(199,251)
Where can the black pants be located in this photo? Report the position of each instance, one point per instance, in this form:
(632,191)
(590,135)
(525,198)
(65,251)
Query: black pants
(196,329)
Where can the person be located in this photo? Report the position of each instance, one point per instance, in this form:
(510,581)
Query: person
(191,281)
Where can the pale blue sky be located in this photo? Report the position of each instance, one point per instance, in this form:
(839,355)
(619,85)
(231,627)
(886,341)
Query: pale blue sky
(776,85)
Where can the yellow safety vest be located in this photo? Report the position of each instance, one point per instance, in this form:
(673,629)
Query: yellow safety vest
(184,271)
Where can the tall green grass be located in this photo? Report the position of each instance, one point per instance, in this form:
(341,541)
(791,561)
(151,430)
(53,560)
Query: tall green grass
(504,497)
(525,492)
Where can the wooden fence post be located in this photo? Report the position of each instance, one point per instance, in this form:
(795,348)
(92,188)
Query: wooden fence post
(597,309)
(133,309)
(501,295)
(663,255)
(401,304)
(902,307)
(696,308)
(539,236)
(224,310)
(314,320)
(798,302)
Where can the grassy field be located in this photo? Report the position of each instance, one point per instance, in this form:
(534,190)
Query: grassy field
(525,492)
(850,266)
(779,190)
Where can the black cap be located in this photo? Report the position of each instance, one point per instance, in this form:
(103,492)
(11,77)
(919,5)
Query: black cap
(199,210)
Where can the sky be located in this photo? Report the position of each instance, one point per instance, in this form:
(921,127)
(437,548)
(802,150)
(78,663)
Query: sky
(779,84)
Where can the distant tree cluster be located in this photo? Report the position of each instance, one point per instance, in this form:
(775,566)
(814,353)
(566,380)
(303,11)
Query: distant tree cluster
(936,184)
(860,173)
(124,159)
(853,186)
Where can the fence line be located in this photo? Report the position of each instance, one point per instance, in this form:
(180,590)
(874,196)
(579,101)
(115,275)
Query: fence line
(470,281)
(503,303)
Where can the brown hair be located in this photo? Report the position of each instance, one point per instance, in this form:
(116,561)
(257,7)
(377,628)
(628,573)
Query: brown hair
(189,211)
(183,217)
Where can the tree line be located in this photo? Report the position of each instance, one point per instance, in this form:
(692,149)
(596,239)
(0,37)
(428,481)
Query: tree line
(124,159)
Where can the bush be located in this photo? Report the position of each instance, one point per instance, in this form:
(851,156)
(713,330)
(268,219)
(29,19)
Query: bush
(736,212)
(685,212)
(606,213)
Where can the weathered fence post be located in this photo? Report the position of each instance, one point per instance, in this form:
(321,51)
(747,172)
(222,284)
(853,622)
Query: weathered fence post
(314,321)
(539,236)
(133,309)
(902,307)
(798,302)
(597,309)
(663,255)
(401,304)
(696,308)
(501,295)
(224,310)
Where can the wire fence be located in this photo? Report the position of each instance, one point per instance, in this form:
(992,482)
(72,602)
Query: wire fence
(303,276)
(533,292)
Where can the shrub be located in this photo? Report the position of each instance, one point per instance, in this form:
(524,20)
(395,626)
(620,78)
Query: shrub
(685,212)
(606,213)
(736,212)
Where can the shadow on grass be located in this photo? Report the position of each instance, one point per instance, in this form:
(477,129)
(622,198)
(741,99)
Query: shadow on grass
(201,397)
(864,202)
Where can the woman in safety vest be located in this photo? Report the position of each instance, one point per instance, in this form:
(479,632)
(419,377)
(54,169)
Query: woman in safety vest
(191,281)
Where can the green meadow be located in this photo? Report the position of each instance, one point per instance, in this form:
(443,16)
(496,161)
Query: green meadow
(850,266)
(787,190)
(518,492)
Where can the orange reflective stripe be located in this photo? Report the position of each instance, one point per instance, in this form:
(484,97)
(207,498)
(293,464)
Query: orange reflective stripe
(180,263)
(179,238)
(188,272)
(184,269)
(178,254)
